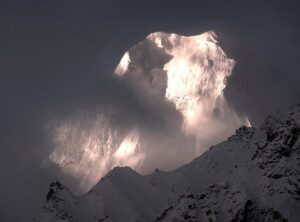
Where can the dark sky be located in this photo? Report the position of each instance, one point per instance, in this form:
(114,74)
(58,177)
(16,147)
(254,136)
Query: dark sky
(56,57)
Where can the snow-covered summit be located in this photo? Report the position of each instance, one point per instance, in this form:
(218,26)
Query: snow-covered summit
(253,176)
(190,72)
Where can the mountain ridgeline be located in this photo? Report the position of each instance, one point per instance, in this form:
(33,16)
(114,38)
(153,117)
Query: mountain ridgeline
(252,176)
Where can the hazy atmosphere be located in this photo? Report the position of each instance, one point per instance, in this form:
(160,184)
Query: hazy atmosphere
(85,86)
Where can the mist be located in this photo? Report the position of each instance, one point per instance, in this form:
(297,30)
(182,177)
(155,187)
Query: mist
(180,81)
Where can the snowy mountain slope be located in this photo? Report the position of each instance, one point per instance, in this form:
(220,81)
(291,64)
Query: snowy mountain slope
(253,176)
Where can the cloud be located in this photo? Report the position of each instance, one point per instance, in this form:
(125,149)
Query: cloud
(177,84)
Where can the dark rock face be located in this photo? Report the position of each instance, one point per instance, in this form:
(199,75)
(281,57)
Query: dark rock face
(55,202)
(251,212)
(54,187)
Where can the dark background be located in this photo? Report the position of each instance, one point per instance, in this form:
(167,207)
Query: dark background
(57,56)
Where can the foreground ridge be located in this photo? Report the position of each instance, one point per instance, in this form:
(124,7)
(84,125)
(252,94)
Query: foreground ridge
(253,176)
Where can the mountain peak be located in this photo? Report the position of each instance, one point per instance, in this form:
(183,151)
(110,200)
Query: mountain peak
(188,72)
(161,38)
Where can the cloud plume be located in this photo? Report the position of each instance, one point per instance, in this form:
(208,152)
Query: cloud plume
(180,81)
